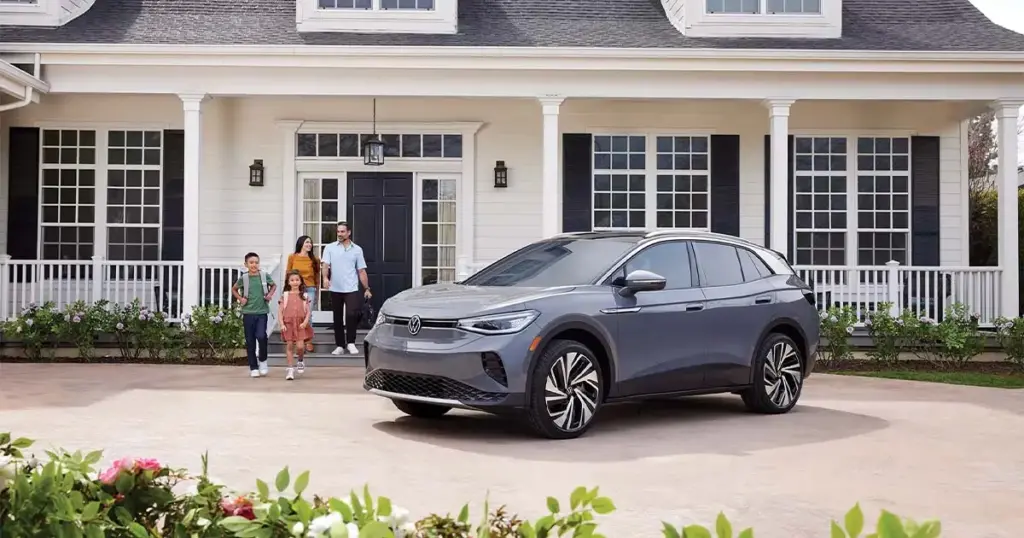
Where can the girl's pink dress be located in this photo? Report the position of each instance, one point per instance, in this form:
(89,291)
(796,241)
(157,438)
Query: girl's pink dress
(294,314)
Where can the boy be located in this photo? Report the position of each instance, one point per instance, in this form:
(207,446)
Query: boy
(254,291)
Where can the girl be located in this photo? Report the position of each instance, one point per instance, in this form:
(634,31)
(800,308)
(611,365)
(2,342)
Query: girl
(304,261)
(294,314)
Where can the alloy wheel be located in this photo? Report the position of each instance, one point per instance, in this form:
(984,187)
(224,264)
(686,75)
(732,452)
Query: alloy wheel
(782,374)
(572,391)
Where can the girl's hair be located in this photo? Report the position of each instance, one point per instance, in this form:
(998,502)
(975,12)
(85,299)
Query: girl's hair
(288,283)
(312,254)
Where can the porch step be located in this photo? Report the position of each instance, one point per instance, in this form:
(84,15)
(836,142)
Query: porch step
(319,360)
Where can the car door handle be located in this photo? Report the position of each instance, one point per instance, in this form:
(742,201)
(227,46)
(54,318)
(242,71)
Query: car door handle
(764,299)
(694,307)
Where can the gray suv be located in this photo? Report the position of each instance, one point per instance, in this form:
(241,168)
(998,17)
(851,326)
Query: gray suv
(561,327)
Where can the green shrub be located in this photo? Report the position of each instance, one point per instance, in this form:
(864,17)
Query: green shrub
(213,332)
(888,335)
(136,328)
(1011,339)
(836,327)
(142,498)
(37,327)
(82,325)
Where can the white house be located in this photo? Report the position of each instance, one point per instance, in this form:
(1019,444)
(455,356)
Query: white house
(832,130)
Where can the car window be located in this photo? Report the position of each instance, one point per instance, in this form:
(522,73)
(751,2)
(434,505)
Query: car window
(554,262)
(669,259)
(720,264)
(753,267)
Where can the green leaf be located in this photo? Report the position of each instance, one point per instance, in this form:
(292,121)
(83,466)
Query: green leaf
(236,524)
(375,529)
(464,514)
(668,531)
(722,526)
(746,533)
(854,521)
(837,531)
(357,507)
(282,480)
(304,510)
(93,457)
(553,505)
(696,531)
(368,499)
(577,497)
(383,506)
(890,526)
(90,511)
(5,437)
(341,508)
(928,529)
(263,489)
(138,530)
(603,505)
(301,483)
(94,531)
(22,442)
(526,530)
(544,523)
(125,483)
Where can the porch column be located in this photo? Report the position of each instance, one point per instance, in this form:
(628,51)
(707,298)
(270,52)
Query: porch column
(192,105)
(1006,114)
(778,116)
(551,190)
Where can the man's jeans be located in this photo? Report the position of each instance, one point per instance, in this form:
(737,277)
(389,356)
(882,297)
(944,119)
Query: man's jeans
(255,331)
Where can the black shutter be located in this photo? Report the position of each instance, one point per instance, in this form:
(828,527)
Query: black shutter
(172,245)
(924,189)
(768,196)
(23,201)
(725,184)
(577,182)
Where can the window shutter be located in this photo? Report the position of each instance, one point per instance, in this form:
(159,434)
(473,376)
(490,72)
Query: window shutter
(23,200)
(725,184)
(577,182)
(172,243)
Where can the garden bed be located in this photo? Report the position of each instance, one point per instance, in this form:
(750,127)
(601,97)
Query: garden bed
(978,374)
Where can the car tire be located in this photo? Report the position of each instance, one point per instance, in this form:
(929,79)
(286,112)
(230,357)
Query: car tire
(421,410)
(566,390)
(778,376)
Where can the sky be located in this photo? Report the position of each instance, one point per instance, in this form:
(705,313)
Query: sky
(1008,13)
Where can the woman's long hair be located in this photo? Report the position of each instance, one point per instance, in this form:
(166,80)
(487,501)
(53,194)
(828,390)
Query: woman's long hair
(312,254)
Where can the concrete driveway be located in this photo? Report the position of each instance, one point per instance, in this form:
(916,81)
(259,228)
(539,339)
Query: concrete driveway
(921,450)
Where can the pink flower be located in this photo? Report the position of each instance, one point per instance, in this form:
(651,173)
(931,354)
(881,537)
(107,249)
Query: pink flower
(109,476)
(239,506)
(147,464)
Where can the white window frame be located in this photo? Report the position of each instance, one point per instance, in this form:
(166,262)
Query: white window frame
(98,167)
(695,21)
(158,168)
(762,9)
(650,173)
(908,230)
(443,19)
(846,231)
(417,235)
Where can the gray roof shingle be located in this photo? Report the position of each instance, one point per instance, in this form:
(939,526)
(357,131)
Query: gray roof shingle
(904,25)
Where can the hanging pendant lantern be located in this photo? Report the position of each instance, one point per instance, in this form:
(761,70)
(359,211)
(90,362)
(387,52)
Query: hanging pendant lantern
(373,148)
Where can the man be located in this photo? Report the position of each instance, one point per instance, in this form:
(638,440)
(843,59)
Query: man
(344,271)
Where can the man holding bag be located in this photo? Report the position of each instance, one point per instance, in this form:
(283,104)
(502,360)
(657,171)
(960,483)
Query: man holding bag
(344,271)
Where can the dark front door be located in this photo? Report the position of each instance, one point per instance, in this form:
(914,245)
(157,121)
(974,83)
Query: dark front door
(380,212)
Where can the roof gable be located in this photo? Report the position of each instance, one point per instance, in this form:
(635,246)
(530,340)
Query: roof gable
(911,25)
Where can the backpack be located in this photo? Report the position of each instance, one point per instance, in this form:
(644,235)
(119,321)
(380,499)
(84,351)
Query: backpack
(245,283)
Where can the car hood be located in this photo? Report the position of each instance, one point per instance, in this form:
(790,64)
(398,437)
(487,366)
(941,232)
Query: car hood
(455,301)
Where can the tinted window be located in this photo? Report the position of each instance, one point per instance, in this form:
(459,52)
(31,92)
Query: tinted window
(555,262)
(753,267)
(719,264)
(670,260)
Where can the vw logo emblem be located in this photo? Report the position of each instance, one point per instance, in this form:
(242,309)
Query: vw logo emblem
(415,324)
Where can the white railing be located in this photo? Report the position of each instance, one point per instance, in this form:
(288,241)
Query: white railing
(926,291)
(157,285)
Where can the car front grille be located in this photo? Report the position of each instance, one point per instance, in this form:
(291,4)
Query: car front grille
(428,386)
(427,323)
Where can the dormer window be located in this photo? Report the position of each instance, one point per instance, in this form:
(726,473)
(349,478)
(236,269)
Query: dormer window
(769,7)
(50,13)
(812,19)
(378,16)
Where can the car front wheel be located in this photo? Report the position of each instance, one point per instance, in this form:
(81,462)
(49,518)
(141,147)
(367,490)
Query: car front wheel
(778,376)
(421,410)
(566,390)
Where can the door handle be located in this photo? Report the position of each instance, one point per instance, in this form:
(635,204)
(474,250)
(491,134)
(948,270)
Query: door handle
(695,307)
(764,299)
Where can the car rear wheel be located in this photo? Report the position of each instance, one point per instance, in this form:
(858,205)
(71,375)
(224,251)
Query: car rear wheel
(421,410)
(566,390)
(778,376)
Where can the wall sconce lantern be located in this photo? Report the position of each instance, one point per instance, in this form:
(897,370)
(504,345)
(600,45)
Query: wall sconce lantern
(500,175)
(373,148)
(256,173)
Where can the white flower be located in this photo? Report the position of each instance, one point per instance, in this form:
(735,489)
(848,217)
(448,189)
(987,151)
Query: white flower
(297,529)
(407,530)
(6,471)
(399,516)
(203,522)
(319,526)
(833,319)
(353,530)
(849,329)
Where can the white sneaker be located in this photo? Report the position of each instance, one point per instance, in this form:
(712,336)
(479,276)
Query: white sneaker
(338,351)
(301,367)
(352,349)
(290,374)
(264,369)
(254,373)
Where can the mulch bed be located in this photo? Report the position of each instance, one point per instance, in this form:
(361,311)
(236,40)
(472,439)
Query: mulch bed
(119,360)
(858,365)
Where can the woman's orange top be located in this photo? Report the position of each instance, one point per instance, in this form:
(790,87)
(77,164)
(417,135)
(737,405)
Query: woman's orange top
(305,266)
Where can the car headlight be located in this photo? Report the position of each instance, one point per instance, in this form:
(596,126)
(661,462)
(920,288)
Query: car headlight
(509,323)
(380,320)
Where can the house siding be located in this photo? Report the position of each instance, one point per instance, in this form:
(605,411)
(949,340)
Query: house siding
(236,218)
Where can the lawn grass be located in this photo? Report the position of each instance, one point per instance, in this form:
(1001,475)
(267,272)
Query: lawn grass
(1002,380)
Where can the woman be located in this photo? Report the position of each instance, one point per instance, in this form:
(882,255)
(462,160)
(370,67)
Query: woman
(305,262)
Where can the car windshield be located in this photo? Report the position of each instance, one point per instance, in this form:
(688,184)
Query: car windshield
(554,262)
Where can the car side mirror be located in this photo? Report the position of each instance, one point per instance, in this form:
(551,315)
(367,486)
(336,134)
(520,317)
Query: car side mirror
(641,280)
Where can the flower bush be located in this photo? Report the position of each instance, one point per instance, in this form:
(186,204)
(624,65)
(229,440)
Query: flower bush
(1011,339)
(139,498)
(213,332)
(37,327)
(836,328)
(82,325)
(888,333)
